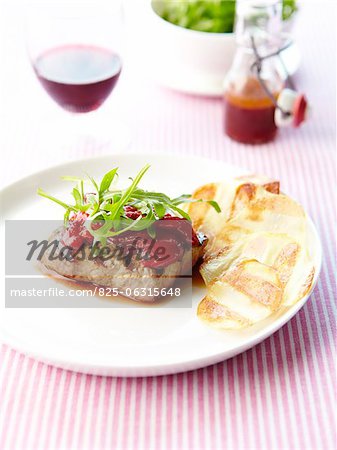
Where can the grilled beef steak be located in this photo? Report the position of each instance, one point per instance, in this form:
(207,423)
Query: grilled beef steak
(131,260)
(128,239)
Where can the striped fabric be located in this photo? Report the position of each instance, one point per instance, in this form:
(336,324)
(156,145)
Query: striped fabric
(278,395)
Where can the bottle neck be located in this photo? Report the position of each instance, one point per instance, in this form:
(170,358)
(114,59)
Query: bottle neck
(259,21)
(245,67)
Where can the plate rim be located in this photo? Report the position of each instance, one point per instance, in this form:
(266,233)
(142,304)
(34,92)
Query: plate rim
(131,154)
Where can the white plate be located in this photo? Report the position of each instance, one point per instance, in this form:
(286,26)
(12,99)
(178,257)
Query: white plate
(127,341)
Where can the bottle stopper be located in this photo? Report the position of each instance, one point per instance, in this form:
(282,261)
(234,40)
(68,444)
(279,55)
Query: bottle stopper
(292,109)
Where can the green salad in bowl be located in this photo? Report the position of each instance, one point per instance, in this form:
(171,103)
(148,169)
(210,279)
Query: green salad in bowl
(212,16)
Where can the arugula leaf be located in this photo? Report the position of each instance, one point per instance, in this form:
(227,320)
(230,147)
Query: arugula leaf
(94,184)
(180,211)
(107,180)
(81,189)
(70,178)
(159,209)
(185,198)
(212,16)
(66,216)
(214,204)
(289,7)
(77,197)
(107,205)
(128,193)
(59,202)
(148,195)
(188,199)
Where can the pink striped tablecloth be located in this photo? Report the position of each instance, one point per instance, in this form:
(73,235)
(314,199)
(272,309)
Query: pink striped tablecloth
(279,394)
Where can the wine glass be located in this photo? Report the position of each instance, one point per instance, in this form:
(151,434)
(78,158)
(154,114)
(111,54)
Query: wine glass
(75,51)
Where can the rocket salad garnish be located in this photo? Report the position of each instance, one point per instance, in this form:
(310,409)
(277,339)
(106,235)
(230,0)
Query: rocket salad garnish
(120,210)
(212,16)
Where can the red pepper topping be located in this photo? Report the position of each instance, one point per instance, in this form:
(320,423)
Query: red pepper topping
(163,253)
(76,234)
(172,235)
(183,226)
(131,212)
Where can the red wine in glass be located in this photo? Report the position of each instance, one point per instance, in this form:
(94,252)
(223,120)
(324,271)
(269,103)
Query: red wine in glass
(78,77)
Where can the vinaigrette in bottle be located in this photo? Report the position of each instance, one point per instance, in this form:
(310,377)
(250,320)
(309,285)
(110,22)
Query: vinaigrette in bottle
(252,85)
(249,114)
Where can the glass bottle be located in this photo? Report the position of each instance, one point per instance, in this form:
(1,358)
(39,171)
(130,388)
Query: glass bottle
(252,85)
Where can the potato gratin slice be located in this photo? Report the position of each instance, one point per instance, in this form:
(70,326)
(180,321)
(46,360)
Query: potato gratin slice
(257,257)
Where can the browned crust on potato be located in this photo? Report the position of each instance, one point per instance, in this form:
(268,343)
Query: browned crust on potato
(306,285)
(270,185)
(286,260)
(279,204)
(244,194)
(258,290)
(198,211)
(213,312)
(273,187)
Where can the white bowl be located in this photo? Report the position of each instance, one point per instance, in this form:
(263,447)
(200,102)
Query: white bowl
(179,58)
